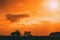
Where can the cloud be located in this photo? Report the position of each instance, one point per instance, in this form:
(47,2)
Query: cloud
(14,18)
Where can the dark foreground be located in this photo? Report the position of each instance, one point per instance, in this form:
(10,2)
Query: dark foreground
(29,38)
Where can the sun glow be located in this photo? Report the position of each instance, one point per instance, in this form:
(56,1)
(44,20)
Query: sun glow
(53,5)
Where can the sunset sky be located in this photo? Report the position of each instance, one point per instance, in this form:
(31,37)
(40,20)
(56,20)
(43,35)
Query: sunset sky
(44,16)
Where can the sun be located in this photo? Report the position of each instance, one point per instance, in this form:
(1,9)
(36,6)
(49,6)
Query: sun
(53,5)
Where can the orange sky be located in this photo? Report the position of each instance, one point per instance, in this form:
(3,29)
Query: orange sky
(44,16)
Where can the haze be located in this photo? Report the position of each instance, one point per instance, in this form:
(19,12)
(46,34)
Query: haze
(44,16)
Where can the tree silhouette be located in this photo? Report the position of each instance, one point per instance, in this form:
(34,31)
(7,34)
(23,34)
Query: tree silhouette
(55,34)
(16,33)
(27,33)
